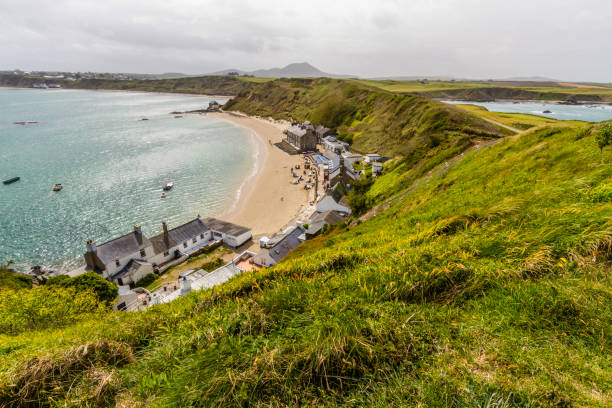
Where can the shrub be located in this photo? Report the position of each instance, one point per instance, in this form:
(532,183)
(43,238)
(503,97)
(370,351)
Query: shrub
(105,291)
(146,281)
(10,279)
(44,307)
(604,136)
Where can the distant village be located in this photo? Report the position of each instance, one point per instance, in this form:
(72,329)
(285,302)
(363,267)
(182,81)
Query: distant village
(328,168)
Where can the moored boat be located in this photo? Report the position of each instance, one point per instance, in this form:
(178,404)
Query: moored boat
(168,186)
(163,195)
(57,187)
(11,180)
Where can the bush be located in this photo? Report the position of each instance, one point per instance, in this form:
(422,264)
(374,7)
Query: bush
(212,265)
(146,281)
(604,136)
(10,279)
(90,281)
(44,307)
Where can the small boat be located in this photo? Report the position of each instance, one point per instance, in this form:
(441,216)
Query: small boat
(168,186)
(57,187)
(163,195)
(11,180)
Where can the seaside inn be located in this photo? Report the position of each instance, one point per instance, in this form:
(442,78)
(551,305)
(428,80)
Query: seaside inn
(129,258)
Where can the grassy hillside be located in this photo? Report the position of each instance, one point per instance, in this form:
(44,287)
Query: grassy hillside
(519,121)
(371,119)
(210,85)
(486,284)
(483,91)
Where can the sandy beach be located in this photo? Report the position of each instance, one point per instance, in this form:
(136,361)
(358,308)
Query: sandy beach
(268,202)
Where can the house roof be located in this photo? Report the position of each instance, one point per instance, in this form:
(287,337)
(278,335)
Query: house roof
(297,130)
(225,227)
(130,268)
(161,245)
(125,245)
(328,203)
(285,245)
(188,230)
(328,217)
(177,235)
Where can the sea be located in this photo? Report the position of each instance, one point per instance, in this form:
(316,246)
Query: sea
(112,164)
(587,113)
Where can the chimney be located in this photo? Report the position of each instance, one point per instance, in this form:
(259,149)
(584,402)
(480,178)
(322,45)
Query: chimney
(166,236)
(138,232)
(91,246)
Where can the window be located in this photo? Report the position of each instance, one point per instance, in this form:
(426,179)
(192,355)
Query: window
(166,253)
(142,253)
(194,240)
(185,244)
(117,263)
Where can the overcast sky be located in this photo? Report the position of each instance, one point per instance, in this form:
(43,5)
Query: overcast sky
(561,39)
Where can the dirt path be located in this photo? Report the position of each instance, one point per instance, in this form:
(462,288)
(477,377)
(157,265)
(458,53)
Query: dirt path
(515,130)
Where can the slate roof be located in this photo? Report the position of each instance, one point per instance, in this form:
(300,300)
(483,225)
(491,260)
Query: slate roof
(297,130)
(160,245)
(289,242)
(125,245)
(225,227)
(128,269)
(188,230)
(328,203)
(329,217)
(178,235)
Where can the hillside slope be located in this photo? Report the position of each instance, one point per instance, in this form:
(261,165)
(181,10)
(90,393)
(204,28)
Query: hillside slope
(209,85)
(373,120)
(488,284)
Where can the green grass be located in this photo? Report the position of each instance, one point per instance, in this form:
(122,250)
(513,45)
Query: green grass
(520,121)
(488,91)
(486,285)
(372,120)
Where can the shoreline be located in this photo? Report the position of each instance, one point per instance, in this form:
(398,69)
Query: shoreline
(266,202)
(120,90)
(266,214)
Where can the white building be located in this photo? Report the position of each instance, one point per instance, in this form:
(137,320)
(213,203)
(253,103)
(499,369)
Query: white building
(332,145)
(377,168)
(133,256)
(231,234)
(372,157)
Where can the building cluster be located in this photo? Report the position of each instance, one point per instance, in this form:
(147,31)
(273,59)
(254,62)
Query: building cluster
(129,258)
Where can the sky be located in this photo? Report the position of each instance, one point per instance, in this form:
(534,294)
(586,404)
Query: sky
(562,39)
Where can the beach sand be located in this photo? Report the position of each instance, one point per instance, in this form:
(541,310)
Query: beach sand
(268,202)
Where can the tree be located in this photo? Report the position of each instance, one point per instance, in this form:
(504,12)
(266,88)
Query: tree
(604,136)
(105,291)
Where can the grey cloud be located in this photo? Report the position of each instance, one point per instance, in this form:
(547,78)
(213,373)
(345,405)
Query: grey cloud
(468,38)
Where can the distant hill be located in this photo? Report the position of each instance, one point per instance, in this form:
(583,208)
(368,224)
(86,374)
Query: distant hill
(295,70)
(528,79)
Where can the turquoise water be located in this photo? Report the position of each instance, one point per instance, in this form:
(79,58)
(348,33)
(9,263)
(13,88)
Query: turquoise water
(587,113)
(112,166)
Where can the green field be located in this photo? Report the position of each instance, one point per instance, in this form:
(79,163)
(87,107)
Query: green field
(519,121)
(484,90)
